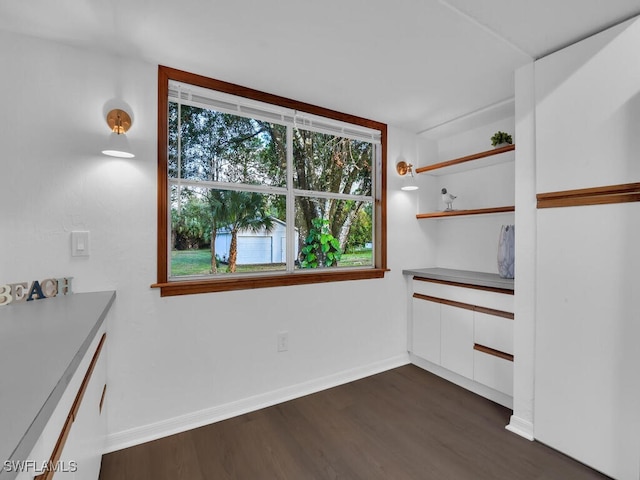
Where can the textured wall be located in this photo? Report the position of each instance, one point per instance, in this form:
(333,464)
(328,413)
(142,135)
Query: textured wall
(169,358)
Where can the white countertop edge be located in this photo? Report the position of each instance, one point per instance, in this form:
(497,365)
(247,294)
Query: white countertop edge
(480,279)
(31,436)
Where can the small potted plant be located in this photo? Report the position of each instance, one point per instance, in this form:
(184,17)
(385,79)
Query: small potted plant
(501,139)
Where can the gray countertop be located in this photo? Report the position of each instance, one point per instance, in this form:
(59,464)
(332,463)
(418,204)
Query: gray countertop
(42,342)
(479,279)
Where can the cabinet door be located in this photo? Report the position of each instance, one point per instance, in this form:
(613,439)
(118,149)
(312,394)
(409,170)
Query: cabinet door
(456,336)
(82,453)
(426,330)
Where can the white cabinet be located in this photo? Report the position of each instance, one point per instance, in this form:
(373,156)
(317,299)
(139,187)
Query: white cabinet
(493,350)
(456,339)
(426,330)
(77,453)
(464,334)
(51,421)
(73,440)
(87,436)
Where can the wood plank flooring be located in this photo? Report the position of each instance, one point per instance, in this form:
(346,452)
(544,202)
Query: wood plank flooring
(401,424)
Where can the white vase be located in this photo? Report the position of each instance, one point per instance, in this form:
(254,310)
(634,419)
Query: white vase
(506,254)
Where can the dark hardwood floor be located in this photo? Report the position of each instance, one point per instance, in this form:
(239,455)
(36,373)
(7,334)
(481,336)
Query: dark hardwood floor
(402,424)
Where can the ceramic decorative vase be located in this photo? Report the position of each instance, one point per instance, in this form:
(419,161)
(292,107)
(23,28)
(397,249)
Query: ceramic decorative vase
(506,256)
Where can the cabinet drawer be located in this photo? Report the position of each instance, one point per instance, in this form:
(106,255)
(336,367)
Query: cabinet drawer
(498,301)
(493,331)
(494,372)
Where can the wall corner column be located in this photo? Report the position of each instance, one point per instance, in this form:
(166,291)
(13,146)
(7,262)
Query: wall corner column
(522,421)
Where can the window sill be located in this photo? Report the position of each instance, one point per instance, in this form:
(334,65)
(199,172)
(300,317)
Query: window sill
(170,289)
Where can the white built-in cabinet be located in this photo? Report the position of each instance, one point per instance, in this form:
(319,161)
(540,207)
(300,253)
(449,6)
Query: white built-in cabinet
(87,437)
(463,333)
(461,322)
(493,367)
(74,438)
(53,415)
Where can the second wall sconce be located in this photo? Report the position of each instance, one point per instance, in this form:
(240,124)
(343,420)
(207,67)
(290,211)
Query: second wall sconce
(405,169)
(119,122)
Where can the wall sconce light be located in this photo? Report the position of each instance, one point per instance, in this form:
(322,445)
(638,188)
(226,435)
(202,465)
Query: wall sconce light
(403,168)
(119,122)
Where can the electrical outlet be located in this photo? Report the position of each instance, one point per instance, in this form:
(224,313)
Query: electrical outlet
(283,341)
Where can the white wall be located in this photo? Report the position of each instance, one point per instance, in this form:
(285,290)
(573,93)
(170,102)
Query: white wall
(180,361)
(587,387)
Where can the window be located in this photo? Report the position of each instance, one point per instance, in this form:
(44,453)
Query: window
(256,190)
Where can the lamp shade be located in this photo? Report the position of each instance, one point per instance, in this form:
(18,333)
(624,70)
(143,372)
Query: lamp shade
(409,182)
(118,146)
(410,185)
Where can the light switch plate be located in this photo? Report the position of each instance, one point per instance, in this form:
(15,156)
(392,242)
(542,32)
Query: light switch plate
(79,244)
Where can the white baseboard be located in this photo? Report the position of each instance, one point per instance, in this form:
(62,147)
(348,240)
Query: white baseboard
(464,382)
(170,426)
(521,427)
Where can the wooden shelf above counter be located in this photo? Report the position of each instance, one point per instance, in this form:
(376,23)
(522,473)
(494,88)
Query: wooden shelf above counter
(442,168)
(461,213)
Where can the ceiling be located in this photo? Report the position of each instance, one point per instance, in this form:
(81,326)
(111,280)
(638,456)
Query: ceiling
(414,64)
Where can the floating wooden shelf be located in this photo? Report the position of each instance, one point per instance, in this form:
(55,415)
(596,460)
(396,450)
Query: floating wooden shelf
(468,158)
(460,213)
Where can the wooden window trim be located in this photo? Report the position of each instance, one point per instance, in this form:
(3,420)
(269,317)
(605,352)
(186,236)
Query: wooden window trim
(240,282)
